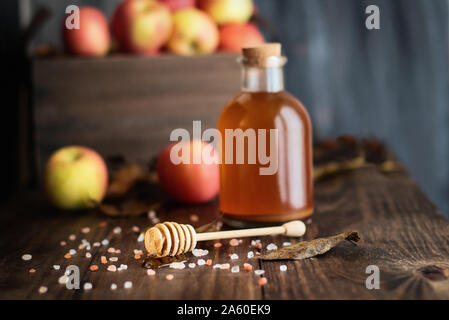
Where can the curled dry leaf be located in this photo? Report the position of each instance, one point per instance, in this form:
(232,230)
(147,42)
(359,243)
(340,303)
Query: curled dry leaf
(308,249)
(124,179)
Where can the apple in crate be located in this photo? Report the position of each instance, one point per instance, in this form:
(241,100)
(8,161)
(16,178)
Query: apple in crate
(141,26)
(175,5)
(92,39)
(228,11)
(183,179)
(75,178)
(235,36)
(193,33)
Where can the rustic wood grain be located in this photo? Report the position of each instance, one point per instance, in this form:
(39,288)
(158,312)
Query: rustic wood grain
(127,103)
(402,233)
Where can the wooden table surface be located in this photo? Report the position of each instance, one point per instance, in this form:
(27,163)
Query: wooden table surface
(402,233)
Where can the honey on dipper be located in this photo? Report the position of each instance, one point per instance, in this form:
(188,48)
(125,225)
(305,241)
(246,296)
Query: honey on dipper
(247,196)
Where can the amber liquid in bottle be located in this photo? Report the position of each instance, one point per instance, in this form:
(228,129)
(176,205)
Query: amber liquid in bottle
(246,196)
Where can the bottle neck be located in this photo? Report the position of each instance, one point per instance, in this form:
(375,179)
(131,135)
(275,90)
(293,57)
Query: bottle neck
(256,79)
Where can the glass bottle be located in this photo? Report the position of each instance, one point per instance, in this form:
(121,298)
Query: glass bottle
(256,190)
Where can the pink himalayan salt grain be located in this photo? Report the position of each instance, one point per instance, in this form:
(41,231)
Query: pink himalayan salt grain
(151,272)
(225,266)
(169,277)
(72,237)
(85,230)
(62,243)
(112,268)
(135,229)
(111,250)
(218,244)
(209,262)
(194,218)
(262,281)
(233,242)
(247,267)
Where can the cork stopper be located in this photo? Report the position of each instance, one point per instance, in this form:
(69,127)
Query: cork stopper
(258,56)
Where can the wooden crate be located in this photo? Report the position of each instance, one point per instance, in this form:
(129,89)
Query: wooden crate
(127,105)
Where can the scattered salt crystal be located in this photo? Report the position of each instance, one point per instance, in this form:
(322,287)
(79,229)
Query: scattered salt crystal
(233,242)
(85,230)
(32,270)
(177,265)
(105,242)
(235,269)
(138,252)
(209,262)
(262,281)
(225,266)
(117,230)
(141,237)
(112,268)
(259,272)
(113,259)
(122,267)
(217,244)
(72,252)
(151,272)
(128,285)
(135,229)
(201,262)
(309,221)
(151,214)
(217,266)
(286,244)
(63,279)
(88,255)
(72,237)
(56,266)
(113,286)
(272,246)
(250,255)
(283,267)
(240,241)
(247,267)
(97,244)
(192,265)
(194,218)
(81,247)
(255,242)
(43,289)
(111,250)
(234,256)
(87,286)
(62,243)
(169,277)
(199,252)
(27,257)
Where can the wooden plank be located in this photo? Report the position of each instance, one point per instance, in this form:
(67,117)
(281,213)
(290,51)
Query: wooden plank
(402,233)
(128,105)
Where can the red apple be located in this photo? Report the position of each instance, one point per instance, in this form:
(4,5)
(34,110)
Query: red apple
(194,32)
(75,178)
(235,36)
(188,182)
(228,11)
(141,26)
(175,5)
(92,39)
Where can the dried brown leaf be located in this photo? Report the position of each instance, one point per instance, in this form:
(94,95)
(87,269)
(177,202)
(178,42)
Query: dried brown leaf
(308,249)
(124,179)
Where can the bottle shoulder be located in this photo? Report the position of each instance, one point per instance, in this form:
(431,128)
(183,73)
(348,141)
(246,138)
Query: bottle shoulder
(263,109)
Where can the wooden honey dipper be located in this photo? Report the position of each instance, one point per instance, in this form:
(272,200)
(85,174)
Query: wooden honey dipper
(171,238)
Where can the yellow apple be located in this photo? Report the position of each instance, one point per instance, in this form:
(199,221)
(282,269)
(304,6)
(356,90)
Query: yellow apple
(75,178)
(193,33)
(141,26)
(228,11)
